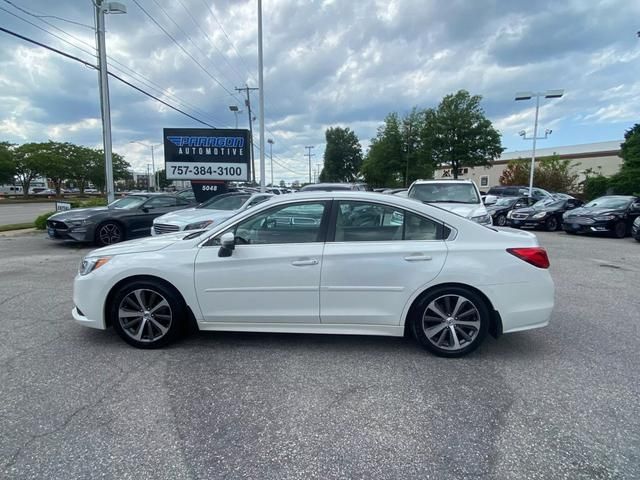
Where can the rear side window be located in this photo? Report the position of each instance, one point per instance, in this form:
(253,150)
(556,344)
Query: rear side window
(373,222)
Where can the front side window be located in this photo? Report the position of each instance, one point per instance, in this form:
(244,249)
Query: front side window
(160,202)
(297,223)
(372,222)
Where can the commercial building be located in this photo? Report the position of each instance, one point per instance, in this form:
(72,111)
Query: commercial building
(601,157)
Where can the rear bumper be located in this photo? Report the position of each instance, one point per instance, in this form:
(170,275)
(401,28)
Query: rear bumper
(523,306)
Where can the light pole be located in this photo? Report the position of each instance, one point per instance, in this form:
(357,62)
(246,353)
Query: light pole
(261,96)
(236,111)
(101,8)
(271,142)
(153,161)
(529,96)
(148,177)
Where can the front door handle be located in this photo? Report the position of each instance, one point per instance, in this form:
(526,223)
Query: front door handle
(417,257)
(302,263)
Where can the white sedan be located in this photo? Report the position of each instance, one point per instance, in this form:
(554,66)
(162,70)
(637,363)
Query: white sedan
(208,214)
(326,262)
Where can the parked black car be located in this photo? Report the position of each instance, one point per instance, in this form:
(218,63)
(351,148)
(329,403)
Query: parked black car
(545,214)
(635,229)
(123,219)
(613,214)
(504,205)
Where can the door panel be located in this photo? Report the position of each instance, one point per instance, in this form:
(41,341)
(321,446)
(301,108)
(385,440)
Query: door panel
(371,282)
(260,283)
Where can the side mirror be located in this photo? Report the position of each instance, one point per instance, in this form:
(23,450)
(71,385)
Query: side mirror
(227,245)
(146,208)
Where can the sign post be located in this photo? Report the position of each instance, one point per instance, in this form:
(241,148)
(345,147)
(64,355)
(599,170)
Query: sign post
(207,157)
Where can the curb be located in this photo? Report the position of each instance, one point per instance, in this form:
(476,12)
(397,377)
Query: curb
(13,233)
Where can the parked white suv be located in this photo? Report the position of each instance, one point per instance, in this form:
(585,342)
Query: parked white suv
(461,197)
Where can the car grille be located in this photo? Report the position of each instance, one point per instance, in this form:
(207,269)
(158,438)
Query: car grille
(580,220)
(161,228)
(57,225)
(519,216)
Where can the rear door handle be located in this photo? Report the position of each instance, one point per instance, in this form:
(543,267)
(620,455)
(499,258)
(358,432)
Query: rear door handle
(302,263)
(417,258)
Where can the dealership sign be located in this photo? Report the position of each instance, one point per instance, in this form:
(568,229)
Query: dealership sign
(206,154)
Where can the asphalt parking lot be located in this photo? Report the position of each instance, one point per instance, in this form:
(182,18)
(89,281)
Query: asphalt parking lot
(560,402)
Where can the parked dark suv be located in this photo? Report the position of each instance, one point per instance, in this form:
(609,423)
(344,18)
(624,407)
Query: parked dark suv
(613,214)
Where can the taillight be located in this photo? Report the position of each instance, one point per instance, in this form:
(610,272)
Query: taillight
(536,256)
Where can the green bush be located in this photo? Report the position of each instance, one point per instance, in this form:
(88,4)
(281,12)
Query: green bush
(595,187)
(91,202)
(41,221)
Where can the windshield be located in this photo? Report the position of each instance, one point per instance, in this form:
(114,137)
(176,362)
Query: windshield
(608,202)
(445,193)
(505,202)
(548,203)
(128,202)
(223,202)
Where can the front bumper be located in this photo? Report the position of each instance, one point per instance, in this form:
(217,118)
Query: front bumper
(61,231)
(89,302)
(583,227)
(527,222)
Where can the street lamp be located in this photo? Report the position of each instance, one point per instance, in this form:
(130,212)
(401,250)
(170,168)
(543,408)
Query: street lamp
(529,96)
(271,142)
(153,161)
(101,8)
(236,111)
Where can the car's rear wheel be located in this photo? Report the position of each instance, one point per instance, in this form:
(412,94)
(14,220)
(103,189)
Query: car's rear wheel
(620,229)
(551,224)
(147,314)
(501,220)
(109,233)
(451,321)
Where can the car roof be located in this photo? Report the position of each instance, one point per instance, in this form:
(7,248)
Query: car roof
(443,180)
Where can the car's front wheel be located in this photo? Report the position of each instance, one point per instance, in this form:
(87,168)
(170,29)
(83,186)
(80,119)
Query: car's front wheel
(620,230)
(109,233)
(501,220)
(551,224)
(451,321)
(147,314)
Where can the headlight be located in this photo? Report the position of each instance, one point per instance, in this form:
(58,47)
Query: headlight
(509,214)
(605,218)
(89,264)
(540,215)
(77,222)
(198,225)
(482,219)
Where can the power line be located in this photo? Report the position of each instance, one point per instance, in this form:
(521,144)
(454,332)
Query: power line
(47,16)
(229,39)
(182,48)
(213,44)
(146,81)
(90,65)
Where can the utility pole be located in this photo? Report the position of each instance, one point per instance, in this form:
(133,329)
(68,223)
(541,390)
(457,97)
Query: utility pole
(309,154)
(246,89)
(261,97)
(271,142)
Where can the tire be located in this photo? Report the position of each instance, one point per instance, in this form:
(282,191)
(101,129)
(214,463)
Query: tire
(501,220)
(108,233)
(147,314)
(551,224)
(619,230)
(439,332)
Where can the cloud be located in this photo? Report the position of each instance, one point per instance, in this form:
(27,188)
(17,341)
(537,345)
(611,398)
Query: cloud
(327,63)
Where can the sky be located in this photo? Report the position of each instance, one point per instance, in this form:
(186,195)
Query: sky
(326,63)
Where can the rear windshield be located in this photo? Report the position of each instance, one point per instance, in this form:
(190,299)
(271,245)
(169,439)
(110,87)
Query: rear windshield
(224,202)
(445,193)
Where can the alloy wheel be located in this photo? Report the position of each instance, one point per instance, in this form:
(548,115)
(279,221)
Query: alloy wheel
(145,315)
(501,220)
(110,233)
(451,322)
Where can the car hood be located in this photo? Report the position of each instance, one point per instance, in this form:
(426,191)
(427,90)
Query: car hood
(467,210)
(589,212)
(192,215)
(147,244)
(496,208)
(77,213)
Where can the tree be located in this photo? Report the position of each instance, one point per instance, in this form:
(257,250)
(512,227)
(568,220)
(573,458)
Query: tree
(30,163)
(59,163)
(551,173)
(96,169)
(81,162)
(342,156)
(7,163)
(627,180)
(162,179)
(384,165)
(462,136)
